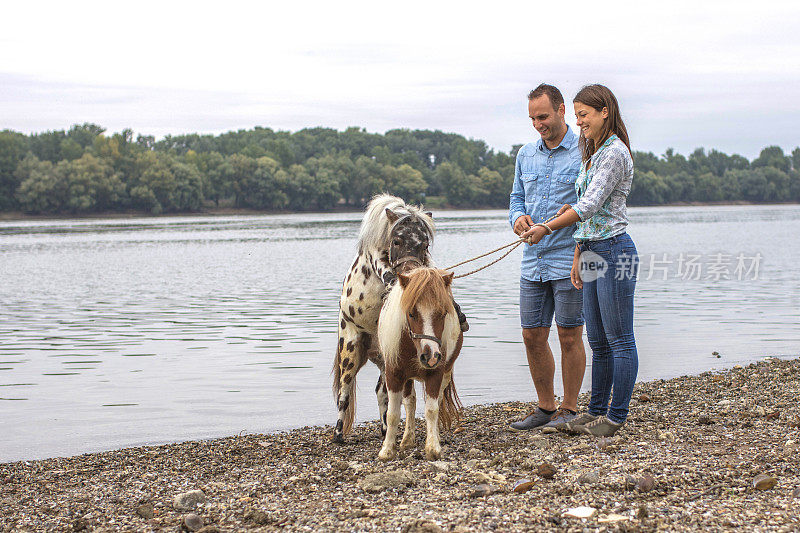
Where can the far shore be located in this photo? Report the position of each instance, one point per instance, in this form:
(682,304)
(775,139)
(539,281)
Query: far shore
(712,452)
(12,216)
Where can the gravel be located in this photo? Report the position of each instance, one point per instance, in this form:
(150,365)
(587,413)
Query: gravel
(710,452)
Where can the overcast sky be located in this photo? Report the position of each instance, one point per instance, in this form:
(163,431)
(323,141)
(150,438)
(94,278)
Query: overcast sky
(722,75)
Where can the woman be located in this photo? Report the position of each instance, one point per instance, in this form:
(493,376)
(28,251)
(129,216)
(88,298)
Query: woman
(607,255)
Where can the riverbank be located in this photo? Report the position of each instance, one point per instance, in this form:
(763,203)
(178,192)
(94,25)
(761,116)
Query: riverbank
(709,452)
(19,216)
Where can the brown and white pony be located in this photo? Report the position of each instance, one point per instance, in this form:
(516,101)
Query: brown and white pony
(420,338)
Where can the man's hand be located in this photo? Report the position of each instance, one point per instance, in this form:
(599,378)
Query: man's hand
(534,235)
(575,276)
(575,271)
(522,224)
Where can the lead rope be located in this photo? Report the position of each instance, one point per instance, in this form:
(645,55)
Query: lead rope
(513,245)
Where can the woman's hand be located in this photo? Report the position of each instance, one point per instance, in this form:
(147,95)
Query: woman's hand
(575,272)
(534,235)
(563,209)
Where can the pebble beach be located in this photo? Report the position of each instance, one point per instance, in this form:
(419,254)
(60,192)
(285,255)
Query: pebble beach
(712,452)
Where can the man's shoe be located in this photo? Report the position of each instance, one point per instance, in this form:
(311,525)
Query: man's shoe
(580,420)
(534,420)
(600,427)
(562,416)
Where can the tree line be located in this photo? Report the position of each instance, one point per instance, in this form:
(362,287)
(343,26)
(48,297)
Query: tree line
(83,170)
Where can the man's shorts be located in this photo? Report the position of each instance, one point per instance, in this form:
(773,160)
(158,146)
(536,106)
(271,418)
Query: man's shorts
(540,300)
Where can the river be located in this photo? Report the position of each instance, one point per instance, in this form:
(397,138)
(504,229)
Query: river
(121,332)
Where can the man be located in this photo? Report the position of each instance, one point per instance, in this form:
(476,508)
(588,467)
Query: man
(544,180)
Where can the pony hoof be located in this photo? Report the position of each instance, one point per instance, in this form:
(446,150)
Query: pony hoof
(433,455)
(405,445)
(338,439)
(386,455)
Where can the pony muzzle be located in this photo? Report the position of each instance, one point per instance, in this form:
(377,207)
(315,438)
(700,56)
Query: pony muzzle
(429,357)
(429,348)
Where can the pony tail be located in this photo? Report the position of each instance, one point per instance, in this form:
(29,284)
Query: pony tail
(337,375)
(450,408)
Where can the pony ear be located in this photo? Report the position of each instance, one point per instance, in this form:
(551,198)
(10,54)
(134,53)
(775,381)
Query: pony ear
(448,279)
(403,279)
(391,215)
(429,213)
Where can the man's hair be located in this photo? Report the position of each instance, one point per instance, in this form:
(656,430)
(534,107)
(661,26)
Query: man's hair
(552,93)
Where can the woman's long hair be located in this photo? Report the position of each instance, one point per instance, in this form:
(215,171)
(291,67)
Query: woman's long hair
(599,96)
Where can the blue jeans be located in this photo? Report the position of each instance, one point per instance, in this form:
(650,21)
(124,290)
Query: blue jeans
(608,311)
(540,300)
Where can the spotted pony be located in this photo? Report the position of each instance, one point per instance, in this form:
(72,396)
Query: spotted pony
(394,238)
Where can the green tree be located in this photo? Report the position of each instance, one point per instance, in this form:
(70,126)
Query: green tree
(47,146)
(460,189)
(90,185)
(70,149)
(779,188)
(674,163)
(753,185)
(187,193)
(165,184)
(41,189)
(709,188)
(772,156)
(698,162)
(405,182)
(340,169)
(648,188)
(367,179)
(794,186)
(325,187)
(281,150)
(236,172)
(209,165)
(121,152)
(84,134)
(497,186)
(267,187)
(301,188)
(12,151)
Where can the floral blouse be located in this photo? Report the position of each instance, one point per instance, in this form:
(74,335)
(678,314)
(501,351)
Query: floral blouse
(602,192)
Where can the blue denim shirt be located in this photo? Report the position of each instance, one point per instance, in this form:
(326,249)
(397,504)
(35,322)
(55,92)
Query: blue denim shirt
(544,180)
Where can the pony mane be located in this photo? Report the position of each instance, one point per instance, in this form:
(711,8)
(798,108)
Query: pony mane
(376,229)
(425,288)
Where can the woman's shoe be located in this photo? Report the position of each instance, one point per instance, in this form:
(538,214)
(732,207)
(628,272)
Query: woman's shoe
(580,420)
(600,427)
